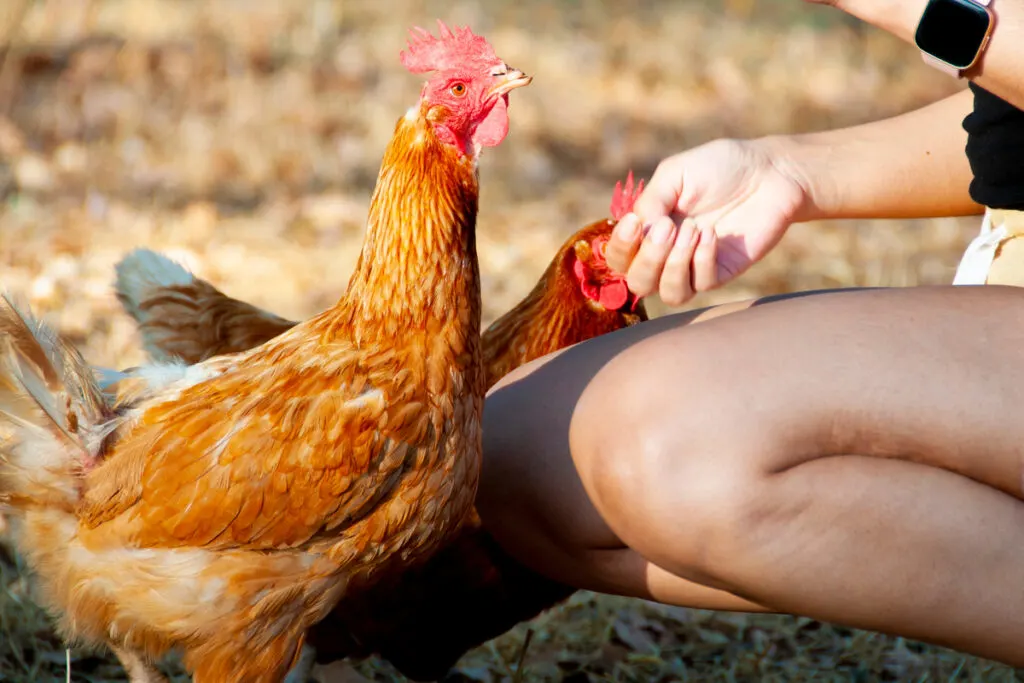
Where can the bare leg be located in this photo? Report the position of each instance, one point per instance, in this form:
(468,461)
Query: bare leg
(721,455)
(531,495)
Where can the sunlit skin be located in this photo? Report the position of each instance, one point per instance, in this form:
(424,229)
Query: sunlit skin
(853,457)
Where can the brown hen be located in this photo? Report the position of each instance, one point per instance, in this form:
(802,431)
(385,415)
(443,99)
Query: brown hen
(422,621)
(225,507)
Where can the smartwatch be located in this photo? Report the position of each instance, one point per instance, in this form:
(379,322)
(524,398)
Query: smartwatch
(952,34)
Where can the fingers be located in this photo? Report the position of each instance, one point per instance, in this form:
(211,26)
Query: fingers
(705,261)
(674,262)
(644,272)
(676,288)
(623,244)
(658,200)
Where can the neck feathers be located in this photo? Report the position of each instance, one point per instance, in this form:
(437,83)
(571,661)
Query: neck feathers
(419,259)
(554,315)
(550,317)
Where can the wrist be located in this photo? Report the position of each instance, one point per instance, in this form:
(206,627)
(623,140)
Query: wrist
(806,163)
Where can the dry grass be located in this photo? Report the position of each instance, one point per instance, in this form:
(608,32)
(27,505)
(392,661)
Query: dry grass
(243,137)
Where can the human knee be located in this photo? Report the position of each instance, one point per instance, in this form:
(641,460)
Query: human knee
(673,478)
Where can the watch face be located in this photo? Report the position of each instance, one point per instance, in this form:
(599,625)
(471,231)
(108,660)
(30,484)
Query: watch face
(953,31)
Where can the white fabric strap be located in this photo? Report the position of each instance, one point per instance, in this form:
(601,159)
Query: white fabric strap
(977,259)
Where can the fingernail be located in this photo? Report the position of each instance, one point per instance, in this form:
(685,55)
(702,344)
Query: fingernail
(627,228)
(662,231)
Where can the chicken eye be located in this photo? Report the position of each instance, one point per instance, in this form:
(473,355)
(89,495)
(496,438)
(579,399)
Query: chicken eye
(459,89)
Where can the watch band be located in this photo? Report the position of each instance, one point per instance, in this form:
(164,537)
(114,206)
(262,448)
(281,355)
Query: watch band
(949,68)
(940,65)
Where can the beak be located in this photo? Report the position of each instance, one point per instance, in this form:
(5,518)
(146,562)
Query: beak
(510,80)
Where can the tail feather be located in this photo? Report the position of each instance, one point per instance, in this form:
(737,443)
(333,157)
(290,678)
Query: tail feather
(53,415)
(141,272)
(182,317)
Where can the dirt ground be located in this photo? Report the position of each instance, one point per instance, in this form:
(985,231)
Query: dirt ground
(243,137)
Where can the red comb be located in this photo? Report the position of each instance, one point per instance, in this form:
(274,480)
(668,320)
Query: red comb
(623,197)
(458,48)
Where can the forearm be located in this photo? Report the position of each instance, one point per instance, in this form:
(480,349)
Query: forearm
(1002,63)
(909,166)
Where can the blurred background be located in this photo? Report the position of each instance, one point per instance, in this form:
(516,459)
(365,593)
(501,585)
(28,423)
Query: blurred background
(243,138)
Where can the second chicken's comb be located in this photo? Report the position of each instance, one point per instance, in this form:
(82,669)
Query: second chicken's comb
(624,196)
(455,48)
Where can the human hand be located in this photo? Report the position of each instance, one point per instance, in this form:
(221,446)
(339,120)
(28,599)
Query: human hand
(712,212)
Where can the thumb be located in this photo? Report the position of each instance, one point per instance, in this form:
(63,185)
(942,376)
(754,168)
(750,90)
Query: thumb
(621,247)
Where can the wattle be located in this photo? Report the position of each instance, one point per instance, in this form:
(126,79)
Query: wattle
(494,127)
(613,295)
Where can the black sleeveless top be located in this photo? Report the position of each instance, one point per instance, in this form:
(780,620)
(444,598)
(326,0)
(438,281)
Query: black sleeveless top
(995,149)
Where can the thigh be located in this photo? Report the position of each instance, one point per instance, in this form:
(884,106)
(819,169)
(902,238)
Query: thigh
(933,375)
